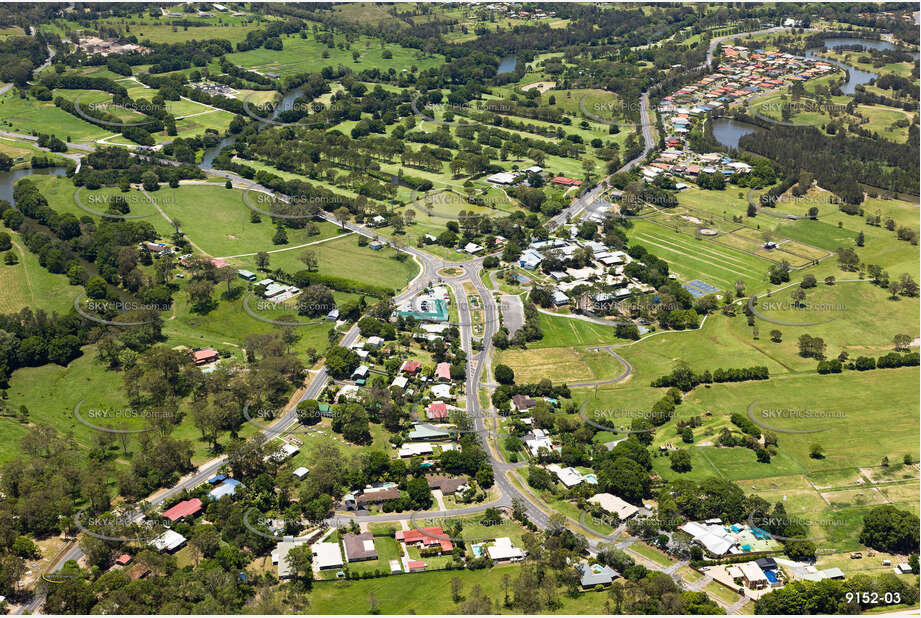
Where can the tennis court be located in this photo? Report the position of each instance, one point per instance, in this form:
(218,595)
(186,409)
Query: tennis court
(699,288)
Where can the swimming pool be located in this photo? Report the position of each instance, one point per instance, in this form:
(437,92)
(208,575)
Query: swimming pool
(477,550)
(591,478)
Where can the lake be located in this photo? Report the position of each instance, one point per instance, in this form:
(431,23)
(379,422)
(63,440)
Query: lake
(728,132)
(856,77)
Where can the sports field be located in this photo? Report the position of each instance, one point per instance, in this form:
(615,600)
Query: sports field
(690,258)
(570,365)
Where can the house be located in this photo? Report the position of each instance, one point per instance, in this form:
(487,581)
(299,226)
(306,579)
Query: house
(378,221)
(766,564)
(502,550)
(425,537)
(400,381)
(395,567)
(374,341)
(123,559)
(358,500)
(559,298)
(569,477)
(214,480)
(424,431)
(472,247)
(522,403)
(410,367)
(203,356)
(300,473)
(333,314)
(711,537)
(447,484)
(246,275)
(326,556)
(280,556)
(752,575)
(186,508)
(169,541)
(441,391)
(443,372)
(227,488)
(902,568)
(614,505)
(415,450)
(538,440)
(138,571)
(530,259)
(359,547)
(376,245)
(360,373)
(437,411)
(283,453)
(596,575)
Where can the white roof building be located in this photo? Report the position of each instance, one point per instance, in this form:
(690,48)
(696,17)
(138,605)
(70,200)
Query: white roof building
(280,555)
(569,477)
(441,391)
(502,178)
(301,472)
(414,449)
(400,381)
(326,555)
(614,505)
(503,549)
(168,541)
(713,538)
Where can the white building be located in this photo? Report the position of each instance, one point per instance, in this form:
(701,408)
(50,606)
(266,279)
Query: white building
(503,549)
(169,541)
(614,505)
(326,555)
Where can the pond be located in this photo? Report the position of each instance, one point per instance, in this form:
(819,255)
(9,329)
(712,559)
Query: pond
(728,132)
(507,65)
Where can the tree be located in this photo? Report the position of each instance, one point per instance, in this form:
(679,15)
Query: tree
(816,451)
(504,374)
(901,342)
(886,528)
(150,181)
(309,259)
(776,335)
(280,237)
(680,460)
(456,586)
(262,260)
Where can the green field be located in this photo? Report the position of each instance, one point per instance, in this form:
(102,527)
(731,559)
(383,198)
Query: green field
(300,55)
(29,284)
(342,257)
(27,115)
(428,593)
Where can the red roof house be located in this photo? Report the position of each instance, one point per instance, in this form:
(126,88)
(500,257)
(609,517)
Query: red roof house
(203,356)
(123,559)
(183,509)
(443,372)
(411,366)
(427,537)
(437,411)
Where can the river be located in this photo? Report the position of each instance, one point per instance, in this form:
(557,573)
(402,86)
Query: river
(8,179)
